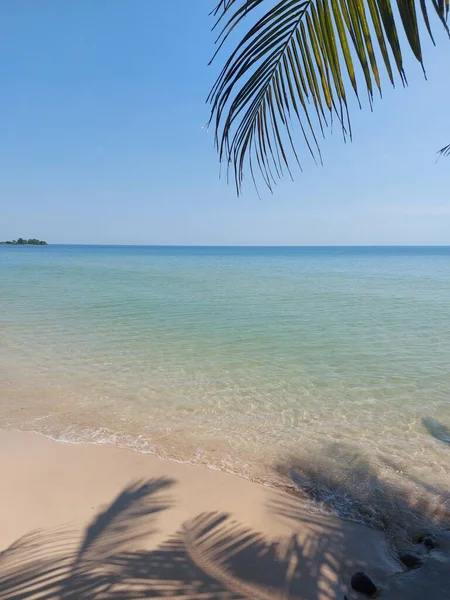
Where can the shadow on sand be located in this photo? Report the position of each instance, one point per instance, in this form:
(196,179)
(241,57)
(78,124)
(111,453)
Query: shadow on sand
(211,556)
(341,478)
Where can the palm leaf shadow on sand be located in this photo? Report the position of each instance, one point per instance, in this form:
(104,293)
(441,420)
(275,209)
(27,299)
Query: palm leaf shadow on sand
(128,520)
(210,557)
(56,565)
(438,430)
(341,478)
(36,565)
(213,557)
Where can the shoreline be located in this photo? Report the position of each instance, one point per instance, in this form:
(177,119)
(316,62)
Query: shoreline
(352,490)
(284,486)
(271,544)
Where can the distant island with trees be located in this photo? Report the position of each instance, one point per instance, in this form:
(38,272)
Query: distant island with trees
(22,242)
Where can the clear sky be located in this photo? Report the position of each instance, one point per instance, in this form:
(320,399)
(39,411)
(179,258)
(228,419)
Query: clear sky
(102,108)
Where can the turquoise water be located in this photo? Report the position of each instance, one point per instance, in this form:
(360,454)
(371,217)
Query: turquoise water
(335,361)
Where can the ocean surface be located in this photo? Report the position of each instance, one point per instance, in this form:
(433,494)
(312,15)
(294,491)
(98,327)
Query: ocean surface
(326,370)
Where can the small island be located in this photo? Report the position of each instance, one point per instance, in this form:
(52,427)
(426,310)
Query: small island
(22,242)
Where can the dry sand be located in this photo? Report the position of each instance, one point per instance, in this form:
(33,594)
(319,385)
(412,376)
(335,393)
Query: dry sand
(112,523)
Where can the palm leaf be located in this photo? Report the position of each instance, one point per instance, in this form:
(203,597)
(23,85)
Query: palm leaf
(298,62)
(445,151)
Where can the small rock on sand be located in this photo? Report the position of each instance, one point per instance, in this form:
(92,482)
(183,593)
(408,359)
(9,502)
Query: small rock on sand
(362,583)
(428,540)
(411,560)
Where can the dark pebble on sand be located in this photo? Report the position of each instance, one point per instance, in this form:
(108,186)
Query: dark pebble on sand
(411,560)
(428,540)
(362,583)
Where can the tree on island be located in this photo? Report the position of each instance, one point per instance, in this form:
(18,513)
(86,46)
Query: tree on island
(298,61)
(22,242)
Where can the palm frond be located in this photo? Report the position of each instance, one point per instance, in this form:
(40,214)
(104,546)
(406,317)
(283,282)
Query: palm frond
(445,151)
(298,63)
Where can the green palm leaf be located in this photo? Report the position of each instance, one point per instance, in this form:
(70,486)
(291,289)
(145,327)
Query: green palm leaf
(297,64)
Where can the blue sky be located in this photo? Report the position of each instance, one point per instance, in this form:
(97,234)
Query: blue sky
(102,141)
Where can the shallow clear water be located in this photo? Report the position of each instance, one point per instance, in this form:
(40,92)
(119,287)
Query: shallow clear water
(335,361)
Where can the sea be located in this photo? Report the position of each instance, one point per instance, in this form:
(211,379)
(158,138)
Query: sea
(321,370)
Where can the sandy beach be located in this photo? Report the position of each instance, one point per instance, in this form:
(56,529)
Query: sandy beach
(96,520)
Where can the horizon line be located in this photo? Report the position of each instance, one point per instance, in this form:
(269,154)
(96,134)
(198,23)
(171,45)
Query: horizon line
(254,245)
